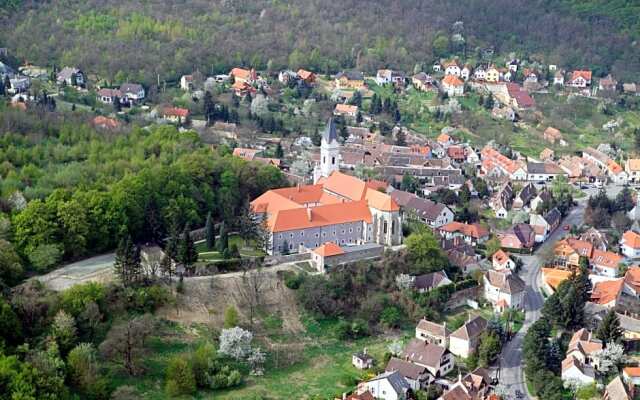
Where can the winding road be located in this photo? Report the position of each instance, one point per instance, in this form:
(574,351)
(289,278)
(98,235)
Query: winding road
(511,363)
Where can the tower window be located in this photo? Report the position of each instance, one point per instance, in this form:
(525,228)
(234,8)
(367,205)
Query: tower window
(333,160)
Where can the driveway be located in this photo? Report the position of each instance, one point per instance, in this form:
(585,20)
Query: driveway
(510,369)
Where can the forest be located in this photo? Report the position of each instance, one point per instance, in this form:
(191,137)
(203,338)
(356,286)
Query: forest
(144,41)
(69,191)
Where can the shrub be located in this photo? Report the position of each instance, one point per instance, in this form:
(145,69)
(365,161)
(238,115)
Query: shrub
(391,317)
(180,379)
(351,330)
(230,317)
(293,280)
(75,299)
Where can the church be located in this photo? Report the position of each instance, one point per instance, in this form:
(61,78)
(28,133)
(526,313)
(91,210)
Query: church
(337,208)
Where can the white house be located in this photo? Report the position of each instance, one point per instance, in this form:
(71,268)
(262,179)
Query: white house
(186,82)
(452,68)
(504,289)
(386,386)
(630,244)
(362,360)
(464,341)
(436,359)
(417,377)
(501,260)
(452,86)
(465,72)
(631,375)
(605,263)
(576,373)
(479,74)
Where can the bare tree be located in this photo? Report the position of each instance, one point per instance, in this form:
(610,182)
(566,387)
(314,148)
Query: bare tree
(250,287)
(125,342)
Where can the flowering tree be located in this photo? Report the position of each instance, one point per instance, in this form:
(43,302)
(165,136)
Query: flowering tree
(404,281)
(395,347)
(256,360)
(610,357)
(235,343)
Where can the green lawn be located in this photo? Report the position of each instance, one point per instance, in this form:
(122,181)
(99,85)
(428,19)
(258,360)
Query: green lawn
(247,249)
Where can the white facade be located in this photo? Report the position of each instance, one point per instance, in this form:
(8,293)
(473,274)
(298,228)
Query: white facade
(452,70)
(460,347)
(629,251)
(577,377)
(495,295)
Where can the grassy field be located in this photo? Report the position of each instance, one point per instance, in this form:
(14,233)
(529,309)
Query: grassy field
(323,367)
(247,249)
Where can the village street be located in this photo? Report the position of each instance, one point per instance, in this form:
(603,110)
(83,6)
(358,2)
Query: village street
(511,363)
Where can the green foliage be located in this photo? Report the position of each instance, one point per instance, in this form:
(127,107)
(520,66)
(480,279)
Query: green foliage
(210,234)
(391,317)
(489,348)
(45,256)
(180,378)
(10,264)
(424,250)
(230,317)
(75,299)
(293,280)
(211,371)
(351,330)
(609,329)
(10,327)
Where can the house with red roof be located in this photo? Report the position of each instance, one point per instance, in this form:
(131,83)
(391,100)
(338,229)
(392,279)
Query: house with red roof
(579,79)
(339,208)
(501,260)
(630,244)
(452,86)
(472,234)
(607,293)
(175,115)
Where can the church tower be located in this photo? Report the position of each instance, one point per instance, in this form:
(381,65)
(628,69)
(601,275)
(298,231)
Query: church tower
(329,152)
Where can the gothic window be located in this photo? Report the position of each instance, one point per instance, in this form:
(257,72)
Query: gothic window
(324,159)
(333,160)
(384,227)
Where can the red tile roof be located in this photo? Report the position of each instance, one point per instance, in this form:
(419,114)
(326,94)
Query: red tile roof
(606,292)
(328,249)
(175,112)
(631,239)
(473,230)
(331,214)
(452,80)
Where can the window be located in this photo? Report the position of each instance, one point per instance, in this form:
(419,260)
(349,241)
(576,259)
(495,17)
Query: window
(280,236)
(351,230)
(302,233)
(290,246)
(324,159)
(344,231)
(317,235)
(384,227)
(291,235)
(324,234)
(333,160)
(334,233)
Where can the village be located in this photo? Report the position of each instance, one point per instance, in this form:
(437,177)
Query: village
(523,225)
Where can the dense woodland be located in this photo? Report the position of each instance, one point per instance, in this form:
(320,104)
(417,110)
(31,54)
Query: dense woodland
(140,40)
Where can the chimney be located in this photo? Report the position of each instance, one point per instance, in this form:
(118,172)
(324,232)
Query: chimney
(309,213)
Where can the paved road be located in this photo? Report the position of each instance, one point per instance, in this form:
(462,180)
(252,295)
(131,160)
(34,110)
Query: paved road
(511,367)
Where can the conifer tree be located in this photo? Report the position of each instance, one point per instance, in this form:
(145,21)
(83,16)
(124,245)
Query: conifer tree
(187,254)
(609,329)
(210,233)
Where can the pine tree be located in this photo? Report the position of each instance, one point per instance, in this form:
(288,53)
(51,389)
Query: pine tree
(127,264)
(609,329)
(171,249)
(210,233)
(401,139)
(166,266)
(316,139)
(279,151)
(209,107)
(583,284)
(223,240)
(187,254)
(247,223)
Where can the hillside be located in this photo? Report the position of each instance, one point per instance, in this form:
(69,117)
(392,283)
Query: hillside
(139,40)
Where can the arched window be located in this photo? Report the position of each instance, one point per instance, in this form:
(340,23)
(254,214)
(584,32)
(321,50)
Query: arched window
(384,227)
(324,159)
(333,160)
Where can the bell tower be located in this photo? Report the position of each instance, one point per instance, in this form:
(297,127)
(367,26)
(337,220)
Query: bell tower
(329,152)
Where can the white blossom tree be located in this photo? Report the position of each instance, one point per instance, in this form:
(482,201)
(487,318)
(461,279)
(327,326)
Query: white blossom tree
(256,361)
(395,347)
(236,343)
(610,357)
(404,281)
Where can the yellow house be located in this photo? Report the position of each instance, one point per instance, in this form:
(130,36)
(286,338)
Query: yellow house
(349,80)
(493,75)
